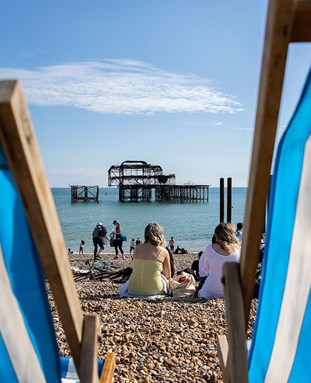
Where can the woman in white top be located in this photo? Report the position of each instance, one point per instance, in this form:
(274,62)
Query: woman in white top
(225,249)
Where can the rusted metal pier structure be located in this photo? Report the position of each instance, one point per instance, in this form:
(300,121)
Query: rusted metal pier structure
(136,181)
(82,193)
(182,193)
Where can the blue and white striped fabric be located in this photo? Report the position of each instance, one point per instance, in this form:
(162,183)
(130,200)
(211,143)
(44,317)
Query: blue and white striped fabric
(280,350)
(28,349)
(69,373)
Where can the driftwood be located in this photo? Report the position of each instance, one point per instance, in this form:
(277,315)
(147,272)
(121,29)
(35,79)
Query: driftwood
(97,271)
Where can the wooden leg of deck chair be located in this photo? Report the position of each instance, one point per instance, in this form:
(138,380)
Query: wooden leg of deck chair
(236,371)
(108,369)
(88,369)
(223,350)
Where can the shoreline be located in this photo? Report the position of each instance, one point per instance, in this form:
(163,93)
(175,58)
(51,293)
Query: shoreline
(127,253)
(172,339)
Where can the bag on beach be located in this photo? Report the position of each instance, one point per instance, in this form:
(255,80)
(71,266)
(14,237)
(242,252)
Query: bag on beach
(123,237)
(183,285)
(112,242)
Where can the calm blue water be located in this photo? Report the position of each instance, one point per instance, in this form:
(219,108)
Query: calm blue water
(191,224)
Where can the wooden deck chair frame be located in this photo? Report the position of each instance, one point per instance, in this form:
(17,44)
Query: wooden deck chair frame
(287,21)
(21,150)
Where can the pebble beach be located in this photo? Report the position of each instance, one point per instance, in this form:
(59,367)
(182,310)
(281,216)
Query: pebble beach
(172,339)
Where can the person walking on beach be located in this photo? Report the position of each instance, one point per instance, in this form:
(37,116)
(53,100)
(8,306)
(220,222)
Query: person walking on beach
(132,245)
(82,243)
(98,234)
(118,239)
(226,248)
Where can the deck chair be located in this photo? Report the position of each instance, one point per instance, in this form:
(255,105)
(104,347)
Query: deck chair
(280,344)
(32,250)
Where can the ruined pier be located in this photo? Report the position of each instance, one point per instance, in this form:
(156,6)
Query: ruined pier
(83,193)
(139,181)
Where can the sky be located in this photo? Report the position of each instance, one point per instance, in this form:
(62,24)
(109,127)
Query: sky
(170,82)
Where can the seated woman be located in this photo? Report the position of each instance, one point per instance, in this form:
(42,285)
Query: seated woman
(150,260)
(225,248)
(195,266)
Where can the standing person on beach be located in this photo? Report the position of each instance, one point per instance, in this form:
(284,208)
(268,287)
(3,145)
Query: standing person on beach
(132,245)
(226,248)
(98,234)
(118,239)
(82,243)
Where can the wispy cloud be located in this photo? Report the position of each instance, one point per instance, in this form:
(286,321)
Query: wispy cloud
(217,123)
(205,124)
(121,87)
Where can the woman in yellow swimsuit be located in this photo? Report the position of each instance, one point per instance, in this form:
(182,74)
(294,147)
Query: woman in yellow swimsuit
(150,262)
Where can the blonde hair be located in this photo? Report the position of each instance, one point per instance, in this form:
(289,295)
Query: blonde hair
(225,237)
(154,234)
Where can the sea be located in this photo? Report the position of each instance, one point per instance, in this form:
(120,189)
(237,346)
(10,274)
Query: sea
(191,224)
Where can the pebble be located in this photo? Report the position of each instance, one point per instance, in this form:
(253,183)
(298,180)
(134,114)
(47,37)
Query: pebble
(172,339)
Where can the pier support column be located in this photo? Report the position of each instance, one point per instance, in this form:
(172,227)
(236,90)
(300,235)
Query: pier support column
(229,199)
(221,201)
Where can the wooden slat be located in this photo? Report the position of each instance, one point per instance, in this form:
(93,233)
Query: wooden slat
(278,32)
(223,350)
(108,370)
(88,370)
(22,152)
(302,21)
(236,370)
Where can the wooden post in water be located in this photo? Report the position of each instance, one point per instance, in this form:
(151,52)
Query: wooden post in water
(229,199)
(222,201)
